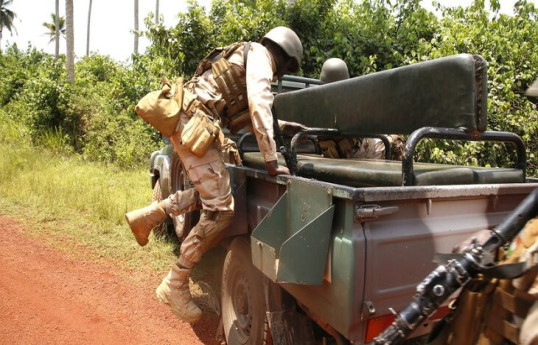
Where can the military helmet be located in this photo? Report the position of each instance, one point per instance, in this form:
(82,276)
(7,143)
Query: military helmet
(288,40)
(333,70)
(532,91)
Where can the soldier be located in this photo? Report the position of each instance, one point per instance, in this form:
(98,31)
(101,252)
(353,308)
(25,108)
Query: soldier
(229,83)
(335,69)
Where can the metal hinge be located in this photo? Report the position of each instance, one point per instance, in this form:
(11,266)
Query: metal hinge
(363,212)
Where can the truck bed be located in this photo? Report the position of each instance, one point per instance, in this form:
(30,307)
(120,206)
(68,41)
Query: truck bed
(379,244)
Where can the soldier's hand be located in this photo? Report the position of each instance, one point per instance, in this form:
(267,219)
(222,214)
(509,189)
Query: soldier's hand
(292,128)
(274,169)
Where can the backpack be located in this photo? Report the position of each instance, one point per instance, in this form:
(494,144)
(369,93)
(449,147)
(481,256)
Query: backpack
(161,108)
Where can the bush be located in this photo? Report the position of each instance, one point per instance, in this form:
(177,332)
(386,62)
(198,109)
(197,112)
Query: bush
(96,114)
(94,117)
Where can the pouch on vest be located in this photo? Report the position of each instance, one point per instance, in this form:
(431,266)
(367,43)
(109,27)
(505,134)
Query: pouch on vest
(199,133)
(231,153)
(161,108)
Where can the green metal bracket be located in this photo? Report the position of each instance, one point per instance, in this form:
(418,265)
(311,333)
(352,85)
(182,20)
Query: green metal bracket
(291,243)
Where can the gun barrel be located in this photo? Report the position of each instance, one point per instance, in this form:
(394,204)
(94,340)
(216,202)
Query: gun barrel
(507,230)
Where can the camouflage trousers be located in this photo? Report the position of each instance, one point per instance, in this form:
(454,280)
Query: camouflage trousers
(212,184)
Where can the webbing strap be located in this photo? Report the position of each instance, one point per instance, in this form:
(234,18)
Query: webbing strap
(517,303)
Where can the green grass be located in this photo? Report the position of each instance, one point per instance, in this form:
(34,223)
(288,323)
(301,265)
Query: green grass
(76,205)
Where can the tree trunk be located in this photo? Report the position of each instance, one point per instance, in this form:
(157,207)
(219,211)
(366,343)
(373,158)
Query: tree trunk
(88,30)
(70,27)
(136,27)
(57,30)
(156,11)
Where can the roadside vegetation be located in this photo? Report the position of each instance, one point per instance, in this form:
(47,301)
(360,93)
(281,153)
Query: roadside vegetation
(74,156)
(74,204)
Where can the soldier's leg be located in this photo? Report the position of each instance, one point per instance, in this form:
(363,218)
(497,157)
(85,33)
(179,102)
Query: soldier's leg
(211,180)
(182,201)
(141,221)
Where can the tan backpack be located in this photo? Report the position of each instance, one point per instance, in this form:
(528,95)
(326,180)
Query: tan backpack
(161,108)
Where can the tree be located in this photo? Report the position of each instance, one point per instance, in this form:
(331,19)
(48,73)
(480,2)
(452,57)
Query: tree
(156,11)
(6,17)
(135,27)
(88,30)
(70,58)
(52,28)
(57,29)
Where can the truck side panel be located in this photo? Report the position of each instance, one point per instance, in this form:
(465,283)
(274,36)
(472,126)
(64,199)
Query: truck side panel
(383,241)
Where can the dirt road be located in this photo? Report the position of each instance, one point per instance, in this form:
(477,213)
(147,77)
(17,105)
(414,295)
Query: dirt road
(47,297)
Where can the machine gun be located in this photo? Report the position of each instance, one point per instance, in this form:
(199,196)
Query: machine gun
(458,269)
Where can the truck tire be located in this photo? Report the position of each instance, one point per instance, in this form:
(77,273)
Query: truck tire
(183,223)
(243,301)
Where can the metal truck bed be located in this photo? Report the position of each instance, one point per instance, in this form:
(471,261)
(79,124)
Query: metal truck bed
(349,254)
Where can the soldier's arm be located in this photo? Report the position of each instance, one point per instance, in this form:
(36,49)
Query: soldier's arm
(260,100)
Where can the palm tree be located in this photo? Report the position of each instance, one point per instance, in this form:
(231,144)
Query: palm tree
(70,58)
(6,17)
(156,11)
(88,33)
(135,26)
(57,29)
(52,28)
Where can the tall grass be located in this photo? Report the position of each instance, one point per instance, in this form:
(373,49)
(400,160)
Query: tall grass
(73,203)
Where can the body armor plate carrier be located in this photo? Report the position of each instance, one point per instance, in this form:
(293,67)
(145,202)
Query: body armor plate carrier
(231,80)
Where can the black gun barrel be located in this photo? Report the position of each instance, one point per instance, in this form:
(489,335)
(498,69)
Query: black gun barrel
(507,230)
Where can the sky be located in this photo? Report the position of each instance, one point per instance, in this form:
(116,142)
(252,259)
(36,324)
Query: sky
(112,22)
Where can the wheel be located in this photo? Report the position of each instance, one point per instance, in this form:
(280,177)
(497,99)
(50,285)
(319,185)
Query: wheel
(242,294)
(183,223)
(161,229)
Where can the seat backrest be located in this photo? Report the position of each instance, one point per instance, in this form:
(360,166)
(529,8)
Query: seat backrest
(447,92)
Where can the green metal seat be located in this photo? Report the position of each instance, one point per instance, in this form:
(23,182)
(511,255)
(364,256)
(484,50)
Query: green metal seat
(369,173)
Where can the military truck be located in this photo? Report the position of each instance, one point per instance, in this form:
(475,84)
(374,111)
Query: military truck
(330,253)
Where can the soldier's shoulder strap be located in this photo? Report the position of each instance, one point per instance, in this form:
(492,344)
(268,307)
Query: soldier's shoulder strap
(219,53)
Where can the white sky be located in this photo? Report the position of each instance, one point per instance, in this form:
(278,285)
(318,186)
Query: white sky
(112,22)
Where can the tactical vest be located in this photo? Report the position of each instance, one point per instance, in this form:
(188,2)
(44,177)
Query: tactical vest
(338,147)
(231,80)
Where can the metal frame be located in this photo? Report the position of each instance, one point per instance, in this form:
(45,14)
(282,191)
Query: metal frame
(457,134)
(412,141)
(307,81)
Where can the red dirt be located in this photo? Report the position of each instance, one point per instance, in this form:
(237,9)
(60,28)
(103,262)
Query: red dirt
(48,297)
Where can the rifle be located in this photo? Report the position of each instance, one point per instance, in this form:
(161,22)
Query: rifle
(458,270)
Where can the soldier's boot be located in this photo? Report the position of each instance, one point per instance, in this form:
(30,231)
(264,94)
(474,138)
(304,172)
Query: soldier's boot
(174,291)
(141,221)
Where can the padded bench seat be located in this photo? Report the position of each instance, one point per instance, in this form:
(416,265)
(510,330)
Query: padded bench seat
(369,173)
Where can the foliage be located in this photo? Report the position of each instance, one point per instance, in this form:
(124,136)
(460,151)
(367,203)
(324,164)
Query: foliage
(51,27)
(6,17)
(93,117)
(53,193)
(96,113)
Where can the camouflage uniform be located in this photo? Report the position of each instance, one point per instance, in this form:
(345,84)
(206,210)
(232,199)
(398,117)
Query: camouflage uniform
(367,148)
(232,84)
(209,174)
